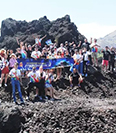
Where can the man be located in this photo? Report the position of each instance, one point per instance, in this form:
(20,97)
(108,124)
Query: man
(86,45)
(15,77)
(94,48)
(41,76)
(105,60)
(36,54)
(112,59)
(75,78)
(34,81)
(85,54)
(61,49)
(28,50)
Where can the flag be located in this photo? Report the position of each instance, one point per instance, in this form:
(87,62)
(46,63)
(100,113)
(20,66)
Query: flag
(48,42)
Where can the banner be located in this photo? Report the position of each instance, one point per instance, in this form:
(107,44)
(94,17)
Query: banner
(27,64)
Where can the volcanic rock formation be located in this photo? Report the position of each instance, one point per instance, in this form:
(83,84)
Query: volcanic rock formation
(58,31)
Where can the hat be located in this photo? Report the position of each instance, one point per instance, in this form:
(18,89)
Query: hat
(3,50)
(66,42)
(36,46)
(29,46)
(12,55)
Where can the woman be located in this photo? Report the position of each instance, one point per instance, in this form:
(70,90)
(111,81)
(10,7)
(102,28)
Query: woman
(15,80)
(59,69)
(5,70)
(48,86)
(12,60)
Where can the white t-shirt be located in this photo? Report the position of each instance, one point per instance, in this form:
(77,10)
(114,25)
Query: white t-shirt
(76,56)
(38,41)
(33,76)
(93,48)
(36,54)
(15,73)
(61,49)
(85,55)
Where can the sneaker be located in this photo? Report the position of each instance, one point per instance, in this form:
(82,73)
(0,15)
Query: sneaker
(79,85)
(16,103)
(46,97)
(82,74)
(27,98)
(40,98)
(71,85)
(52,99)
(86,75)
(5,85)
(22,103)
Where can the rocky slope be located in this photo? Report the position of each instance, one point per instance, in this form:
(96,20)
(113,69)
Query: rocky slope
(108,40)
(89,109)
(59,30)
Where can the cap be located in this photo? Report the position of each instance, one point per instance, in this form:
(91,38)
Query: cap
(12,55)
(29,46)
(66,42)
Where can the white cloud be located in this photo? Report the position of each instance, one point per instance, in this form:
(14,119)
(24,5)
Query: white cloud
(95,30)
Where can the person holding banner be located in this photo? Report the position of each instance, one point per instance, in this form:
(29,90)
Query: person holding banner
(59,69)
(34,81)
(41,77)
(15,77)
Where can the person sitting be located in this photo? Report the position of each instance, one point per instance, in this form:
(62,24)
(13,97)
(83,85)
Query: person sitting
(48,84)
(75,78)
(34,81)
(15,77)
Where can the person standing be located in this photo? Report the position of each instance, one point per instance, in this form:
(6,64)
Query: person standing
(94,48)
(105,61)
(4,69)
(112,59)
(15,75)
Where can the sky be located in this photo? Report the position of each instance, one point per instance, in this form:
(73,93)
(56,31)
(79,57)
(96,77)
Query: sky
(93,18)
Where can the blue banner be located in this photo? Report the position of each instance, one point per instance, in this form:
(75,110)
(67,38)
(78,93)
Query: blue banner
(27,64)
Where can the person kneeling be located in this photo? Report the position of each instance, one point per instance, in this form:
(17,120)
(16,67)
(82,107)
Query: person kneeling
(75,78)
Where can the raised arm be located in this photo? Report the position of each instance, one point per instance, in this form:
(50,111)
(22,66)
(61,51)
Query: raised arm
(43,37)
(17,40)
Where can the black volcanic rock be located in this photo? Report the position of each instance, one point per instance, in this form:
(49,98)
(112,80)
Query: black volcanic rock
(59,30)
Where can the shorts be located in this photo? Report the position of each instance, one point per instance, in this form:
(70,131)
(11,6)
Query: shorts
(105,62)
(94,55)
(5,70)
(48,85)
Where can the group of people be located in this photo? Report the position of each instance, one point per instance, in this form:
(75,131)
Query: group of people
(83,54)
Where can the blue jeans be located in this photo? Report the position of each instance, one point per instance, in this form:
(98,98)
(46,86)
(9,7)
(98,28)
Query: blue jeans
(81,68)
(16,83)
